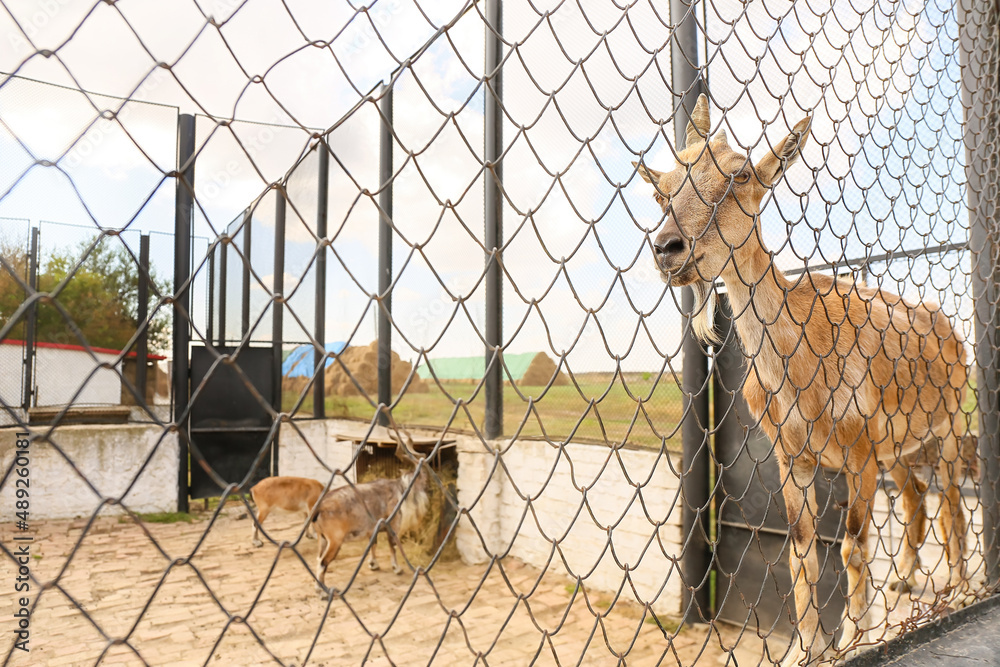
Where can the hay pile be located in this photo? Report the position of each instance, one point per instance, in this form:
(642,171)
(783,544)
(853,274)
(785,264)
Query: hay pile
(363,365)
(362,362)
(540,371)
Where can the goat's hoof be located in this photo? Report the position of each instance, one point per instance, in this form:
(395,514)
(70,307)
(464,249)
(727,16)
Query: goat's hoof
(372,565)
(257,543)
(397,570)
(311,537)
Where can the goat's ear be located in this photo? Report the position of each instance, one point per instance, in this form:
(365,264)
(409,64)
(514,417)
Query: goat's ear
(784,154)
(701,122)
(647,174)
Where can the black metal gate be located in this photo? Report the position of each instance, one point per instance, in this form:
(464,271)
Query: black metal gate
(754,585)
(230,426)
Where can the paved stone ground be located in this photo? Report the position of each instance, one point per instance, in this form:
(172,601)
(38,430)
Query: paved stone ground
(199,594)
(178,595)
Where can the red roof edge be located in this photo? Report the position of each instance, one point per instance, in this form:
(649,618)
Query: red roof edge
(80,348)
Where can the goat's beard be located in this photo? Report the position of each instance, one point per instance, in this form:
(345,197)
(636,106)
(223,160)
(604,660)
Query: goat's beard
(704,305)
(704,301)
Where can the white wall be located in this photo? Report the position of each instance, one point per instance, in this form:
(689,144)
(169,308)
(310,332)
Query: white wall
(582,509)
(109,457)
(312,449)
(59,374)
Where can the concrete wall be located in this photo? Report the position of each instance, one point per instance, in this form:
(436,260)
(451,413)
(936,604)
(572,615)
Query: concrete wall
(312,449)
(109,457)
(580,510)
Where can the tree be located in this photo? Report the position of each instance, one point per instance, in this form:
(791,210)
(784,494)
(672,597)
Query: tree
(101,297)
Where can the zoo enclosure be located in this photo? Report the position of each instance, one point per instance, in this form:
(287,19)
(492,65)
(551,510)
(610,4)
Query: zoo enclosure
(936,133)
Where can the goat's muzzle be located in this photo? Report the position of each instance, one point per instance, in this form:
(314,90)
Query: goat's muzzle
(671,252)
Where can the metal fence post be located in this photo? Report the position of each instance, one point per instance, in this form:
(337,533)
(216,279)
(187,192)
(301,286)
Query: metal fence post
(142,345)
(493,232)
(31,324)
(697,558)
(247,246)
(183,214)
(223,283)
(980,84)
(319,388)
(385,255)
(210,318)
(278,289)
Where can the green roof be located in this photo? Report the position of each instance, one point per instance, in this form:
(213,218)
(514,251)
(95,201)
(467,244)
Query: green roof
(473,368)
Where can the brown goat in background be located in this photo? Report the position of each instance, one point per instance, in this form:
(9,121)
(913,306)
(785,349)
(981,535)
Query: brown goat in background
(840,375)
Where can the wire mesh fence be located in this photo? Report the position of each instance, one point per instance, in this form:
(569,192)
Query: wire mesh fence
(656,334)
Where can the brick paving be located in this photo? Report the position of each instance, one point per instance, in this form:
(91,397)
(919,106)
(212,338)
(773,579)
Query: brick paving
(200,594)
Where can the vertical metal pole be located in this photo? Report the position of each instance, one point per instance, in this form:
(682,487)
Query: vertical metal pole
(142,345)
(183,215)
(30,327)
(247,246)
(493,215)
(223,283)
(319,388)
(210,324)
(980,83)
(696,563)
(385,255)
(277,315)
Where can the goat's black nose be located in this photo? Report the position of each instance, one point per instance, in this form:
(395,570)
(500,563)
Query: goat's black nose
(669,244)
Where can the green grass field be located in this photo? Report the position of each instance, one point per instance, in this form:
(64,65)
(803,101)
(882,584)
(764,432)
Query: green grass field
(639,412)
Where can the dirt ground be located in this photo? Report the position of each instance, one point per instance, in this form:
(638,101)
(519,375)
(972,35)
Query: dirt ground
(199,594)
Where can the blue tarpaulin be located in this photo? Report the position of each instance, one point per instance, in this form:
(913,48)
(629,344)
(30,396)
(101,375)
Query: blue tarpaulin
(299,363)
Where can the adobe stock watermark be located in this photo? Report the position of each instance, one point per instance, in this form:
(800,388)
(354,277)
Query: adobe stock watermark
(359,37)
(111,122)
(33,24)
(21,476)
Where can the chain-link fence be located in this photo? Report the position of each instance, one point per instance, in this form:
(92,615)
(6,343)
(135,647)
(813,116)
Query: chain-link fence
(660,334)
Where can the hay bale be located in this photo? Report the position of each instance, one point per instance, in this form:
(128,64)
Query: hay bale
(540,371)
(362,362)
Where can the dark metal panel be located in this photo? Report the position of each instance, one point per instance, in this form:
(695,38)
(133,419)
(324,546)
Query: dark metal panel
(230,454)
(754,584)
(230,426)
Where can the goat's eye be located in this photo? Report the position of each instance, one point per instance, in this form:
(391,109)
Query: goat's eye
(742,177)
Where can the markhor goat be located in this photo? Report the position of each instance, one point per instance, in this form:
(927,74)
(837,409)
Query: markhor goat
(359,511)
(840,375)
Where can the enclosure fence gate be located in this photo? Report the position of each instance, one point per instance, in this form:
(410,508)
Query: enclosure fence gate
(656,334)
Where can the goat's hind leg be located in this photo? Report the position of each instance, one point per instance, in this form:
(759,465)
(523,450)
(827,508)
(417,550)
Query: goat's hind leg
(951,515)
(262,513)
(326,556)
(913,492)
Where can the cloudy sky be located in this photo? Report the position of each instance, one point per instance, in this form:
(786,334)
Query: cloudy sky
(586,91)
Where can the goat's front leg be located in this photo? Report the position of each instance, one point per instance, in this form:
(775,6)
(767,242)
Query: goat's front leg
(862,479)
(809,642)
